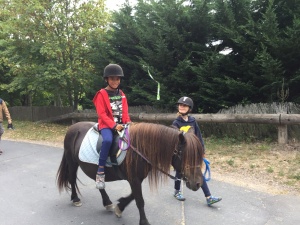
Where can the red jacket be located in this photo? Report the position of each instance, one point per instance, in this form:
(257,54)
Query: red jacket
(104,111)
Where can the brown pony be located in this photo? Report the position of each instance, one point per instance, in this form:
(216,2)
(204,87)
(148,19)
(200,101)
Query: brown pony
(153,148)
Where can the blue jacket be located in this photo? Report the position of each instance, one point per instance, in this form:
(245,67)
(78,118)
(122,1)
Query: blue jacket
(179,122)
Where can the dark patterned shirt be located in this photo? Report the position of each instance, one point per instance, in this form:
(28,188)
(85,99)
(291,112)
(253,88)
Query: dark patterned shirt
(115,99)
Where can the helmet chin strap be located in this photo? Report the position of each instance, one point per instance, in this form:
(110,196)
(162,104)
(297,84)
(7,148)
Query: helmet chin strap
(112,87)
(184,114)
(116,89)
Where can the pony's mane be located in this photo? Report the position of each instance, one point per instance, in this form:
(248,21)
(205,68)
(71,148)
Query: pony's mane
(157,144)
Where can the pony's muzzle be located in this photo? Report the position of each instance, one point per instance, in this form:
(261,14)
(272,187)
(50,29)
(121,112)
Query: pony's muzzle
(193,186)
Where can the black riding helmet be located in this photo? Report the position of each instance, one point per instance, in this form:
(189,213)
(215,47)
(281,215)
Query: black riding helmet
(113,70)
(187,101)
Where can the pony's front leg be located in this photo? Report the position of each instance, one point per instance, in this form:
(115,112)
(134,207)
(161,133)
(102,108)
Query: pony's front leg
(136,187)
(106,200)
(123,202)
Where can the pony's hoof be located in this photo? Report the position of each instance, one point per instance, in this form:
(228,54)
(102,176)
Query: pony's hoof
(110,207)
(144,222)
(77,204)
(118,212)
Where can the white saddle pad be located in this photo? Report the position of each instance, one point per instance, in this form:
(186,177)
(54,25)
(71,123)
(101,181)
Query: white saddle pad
(88,152)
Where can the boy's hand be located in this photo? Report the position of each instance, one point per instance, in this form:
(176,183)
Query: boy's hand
(119,127)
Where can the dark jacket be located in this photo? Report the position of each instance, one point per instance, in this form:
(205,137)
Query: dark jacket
(179,122)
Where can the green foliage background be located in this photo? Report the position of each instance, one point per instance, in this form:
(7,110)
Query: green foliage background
(54,52)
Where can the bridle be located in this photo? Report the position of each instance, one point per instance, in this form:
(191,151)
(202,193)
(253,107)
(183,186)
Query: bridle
(178,153)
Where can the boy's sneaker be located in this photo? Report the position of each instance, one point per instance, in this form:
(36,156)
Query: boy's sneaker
(179,196)
(211,200)
(100,181)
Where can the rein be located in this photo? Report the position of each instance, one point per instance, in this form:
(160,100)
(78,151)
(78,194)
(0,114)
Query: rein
(143,157)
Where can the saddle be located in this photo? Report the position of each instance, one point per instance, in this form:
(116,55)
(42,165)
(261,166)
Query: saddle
(91,145)
(114,150)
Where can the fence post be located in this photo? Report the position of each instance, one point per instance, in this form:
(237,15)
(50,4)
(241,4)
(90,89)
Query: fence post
(282,134)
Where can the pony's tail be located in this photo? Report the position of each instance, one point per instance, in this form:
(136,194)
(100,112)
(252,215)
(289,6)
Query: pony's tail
(67,172)
(62,175)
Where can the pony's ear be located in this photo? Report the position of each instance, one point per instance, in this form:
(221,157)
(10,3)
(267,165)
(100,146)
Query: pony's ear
(181,138)
(191,130)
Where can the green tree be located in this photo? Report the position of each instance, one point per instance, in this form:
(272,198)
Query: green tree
(54,52)
(258,33)
(160,38)
(48,48)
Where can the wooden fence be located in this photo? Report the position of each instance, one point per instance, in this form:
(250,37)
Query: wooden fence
(280,120)
(36,113)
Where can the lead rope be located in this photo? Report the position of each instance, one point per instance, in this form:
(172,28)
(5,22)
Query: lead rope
(207,170)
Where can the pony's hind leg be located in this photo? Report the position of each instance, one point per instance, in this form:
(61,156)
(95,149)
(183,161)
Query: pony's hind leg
(67,175)
(73,167)
(74,196)
(106,200)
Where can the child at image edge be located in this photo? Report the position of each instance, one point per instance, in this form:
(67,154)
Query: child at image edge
(184,122)
(112,109)
(4,109)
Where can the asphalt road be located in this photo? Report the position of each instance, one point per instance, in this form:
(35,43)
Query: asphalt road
(28,195)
